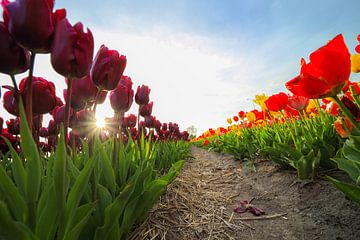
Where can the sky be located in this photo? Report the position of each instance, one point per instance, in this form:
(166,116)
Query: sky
(205,60)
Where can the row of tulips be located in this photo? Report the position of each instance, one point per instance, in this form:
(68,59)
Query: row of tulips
(316,126)
(88,182)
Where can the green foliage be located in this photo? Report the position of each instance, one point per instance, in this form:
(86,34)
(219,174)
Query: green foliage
(83,195)
(348,160)
(304,144)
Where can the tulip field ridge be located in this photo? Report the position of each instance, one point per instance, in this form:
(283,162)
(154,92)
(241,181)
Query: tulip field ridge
(288,169)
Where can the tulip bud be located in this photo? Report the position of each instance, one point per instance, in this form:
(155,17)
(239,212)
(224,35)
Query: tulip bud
(107,68)
(53,128)
(142,95)
(121,97)
(43,98)
(145,110)
(13,58)
(72,50)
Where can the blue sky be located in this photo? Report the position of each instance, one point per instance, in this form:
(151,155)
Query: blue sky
(206,59)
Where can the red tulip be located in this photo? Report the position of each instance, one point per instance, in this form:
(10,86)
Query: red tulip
(277,102)
(298,102)
(357,48)
(242,114)
(325,74)
(142,95)
(146,110)
(43,98)
(130,121)
(236,118)
(13,58)
(122,96)
(108,68)
(72,50)
(11,103)
(31,23)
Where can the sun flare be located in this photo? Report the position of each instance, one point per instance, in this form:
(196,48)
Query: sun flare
(100,122)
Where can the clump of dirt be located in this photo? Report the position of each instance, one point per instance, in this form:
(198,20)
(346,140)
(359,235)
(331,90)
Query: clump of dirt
(199,204)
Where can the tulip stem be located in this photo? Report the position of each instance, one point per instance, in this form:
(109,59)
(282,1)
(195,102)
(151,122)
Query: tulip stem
(16,89)
(96,99)
(28,101)
(355,97)
(346,111)
(67,109)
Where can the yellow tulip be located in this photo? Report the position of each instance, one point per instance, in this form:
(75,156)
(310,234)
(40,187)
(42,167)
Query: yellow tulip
(260,100)
(251,117)
(311,105)
(229,121)
(355,63)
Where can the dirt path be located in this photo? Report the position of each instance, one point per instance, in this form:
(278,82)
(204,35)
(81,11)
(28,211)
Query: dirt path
(199,204)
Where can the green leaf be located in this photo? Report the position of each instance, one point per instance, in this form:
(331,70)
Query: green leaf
(33,163)
(17,168)
(10,229)
(80,219)
(351,191)
(13,197)
(349,166)
(61,179)
(47,223)
(106,168)
(351,152)
(113,212)
(77,191)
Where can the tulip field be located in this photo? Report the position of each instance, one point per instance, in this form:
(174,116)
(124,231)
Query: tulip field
(313,128)
(72,178)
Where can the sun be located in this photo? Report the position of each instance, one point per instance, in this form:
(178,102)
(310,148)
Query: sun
(100,122)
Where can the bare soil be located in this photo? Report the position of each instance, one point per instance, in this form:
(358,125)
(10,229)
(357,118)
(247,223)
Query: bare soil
(199,204)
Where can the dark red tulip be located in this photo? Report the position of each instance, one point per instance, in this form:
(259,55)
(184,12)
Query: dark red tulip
(13,126)
(43,98)
(142,95)
(13,58)
(277,102)
(157,125)
(53,128)
(107,68)
(43,132)
(130,121)
(164,127)
(76,103)
(59,114)
(12,139)
(30,22)
(11,103)
(72,50)
(84,89)
(150,121)
(146,110)
(122,96)
(101,98)
(326,73)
